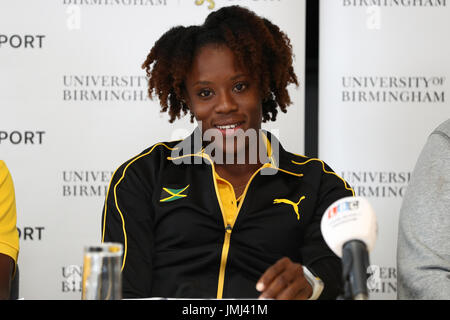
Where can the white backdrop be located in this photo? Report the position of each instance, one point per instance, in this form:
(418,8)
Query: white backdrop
(73,108)
(383,89)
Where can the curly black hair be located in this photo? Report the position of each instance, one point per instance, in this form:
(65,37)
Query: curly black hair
(258,45)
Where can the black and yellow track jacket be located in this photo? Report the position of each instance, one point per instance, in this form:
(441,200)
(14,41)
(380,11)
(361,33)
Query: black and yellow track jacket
(169,218)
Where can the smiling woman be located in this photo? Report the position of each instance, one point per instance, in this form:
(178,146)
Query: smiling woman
(223,96)
(259,46)
(209,229)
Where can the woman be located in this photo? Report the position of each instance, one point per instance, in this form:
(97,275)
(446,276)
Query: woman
(193,225)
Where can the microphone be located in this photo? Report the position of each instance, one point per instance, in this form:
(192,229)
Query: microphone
(349,227)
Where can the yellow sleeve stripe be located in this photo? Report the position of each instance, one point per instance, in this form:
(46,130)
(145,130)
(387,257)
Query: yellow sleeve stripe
(289,172)
(117,205)
(324,170)
(106,204)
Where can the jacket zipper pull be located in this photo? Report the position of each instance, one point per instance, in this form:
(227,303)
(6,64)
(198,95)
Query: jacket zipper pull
(228,228)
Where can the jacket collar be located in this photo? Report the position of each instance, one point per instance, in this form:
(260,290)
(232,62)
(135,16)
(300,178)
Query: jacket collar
(278,158)
(281,159)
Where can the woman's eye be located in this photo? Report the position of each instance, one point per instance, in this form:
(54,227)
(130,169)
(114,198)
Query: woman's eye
(240,87)
(205,93)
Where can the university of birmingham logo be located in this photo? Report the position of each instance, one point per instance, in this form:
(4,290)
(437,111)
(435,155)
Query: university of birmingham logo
(72,277)
(211,5)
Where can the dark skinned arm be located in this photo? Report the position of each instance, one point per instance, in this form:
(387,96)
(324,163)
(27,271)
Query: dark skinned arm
(6,272)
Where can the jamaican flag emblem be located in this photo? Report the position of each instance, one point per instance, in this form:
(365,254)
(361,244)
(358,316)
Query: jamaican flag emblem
(168,194)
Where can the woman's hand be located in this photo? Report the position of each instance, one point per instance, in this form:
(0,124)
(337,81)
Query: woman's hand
(284,281)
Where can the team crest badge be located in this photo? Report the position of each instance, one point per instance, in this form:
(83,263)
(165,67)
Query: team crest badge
(168,194)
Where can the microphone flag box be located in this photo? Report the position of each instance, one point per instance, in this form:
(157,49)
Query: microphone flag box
(350,218)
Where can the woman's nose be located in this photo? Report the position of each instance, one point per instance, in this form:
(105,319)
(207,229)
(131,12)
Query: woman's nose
(226,103)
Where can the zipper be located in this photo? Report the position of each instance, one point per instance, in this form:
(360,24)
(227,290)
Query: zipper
(223,260)
(228,231)
(228,227)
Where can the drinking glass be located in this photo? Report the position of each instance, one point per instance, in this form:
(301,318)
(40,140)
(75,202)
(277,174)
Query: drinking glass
(102,272)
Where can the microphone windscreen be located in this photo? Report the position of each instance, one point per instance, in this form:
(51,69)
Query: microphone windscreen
(349,218)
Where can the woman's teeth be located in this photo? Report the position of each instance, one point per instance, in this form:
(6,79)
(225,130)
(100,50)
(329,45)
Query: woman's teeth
(231,126)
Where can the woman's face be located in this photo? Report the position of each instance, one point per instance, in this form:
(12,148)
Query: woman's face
(224,97)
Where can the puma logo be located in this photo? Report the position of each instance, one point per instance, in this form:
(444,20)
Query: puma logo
(294,205)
